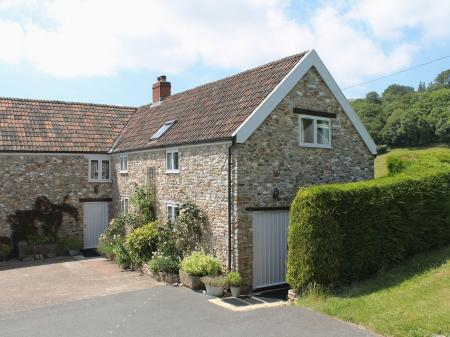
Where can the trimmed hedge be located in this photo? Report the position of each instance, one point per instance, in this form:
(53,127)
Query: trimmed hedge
(340,233)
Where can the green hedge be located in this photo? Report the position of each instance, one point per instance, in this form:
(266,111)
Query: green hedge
(340,233)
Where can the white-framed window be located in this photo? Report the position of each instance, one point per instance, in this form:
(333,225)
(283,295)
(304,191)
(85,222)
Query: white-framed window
(172,161)
(123,164)
(315,131)
(124,205)
(173,211)
(99,168)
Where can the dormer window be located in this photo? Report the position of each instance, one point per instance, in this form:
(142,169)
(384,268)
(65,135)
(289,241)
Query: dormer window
(162,130)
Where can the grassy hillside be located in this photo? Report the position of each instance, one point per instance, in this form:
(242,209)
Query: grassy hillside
(433,153)
(411,299)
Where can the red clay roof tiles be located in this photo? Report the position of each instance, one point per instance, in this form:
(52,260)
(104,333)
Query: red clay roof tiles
(206,113)
(209,112)
(53,126)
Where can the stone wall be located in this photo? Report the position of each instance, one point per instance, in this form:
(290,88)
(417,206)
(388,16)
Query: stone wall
(272,157)
(26,176)
(202,180)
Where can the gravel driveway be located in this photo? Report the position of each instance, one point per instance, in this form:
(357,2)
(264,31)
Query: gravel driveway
(29,285)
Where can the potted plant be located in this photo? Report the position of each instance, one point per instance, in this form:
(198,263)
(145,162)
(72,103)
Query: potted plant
(234,280)
(197,265)
(164,269)
(214,285)
(73,246)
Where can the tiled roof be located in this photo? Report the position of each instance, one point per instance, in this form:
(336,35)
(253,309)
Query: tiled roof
(209,112)
(53,126)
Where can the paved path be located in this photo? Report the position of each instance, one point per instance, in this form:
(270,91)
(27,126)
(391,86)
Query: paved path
(29,285)
(168,311)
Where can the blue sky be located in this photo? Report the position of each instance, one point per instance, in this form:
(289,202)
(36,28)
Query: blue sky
(111,51)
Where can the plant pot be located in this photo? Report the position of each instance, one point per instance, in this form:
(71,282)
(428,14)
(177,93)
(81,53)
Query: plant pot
(73,252)
(169,278)
(235,291)
(193,282)
(214,290)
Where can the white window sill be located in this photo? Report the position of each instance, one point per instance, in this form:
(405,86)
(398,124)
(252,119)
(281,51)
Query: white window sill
(99,180)
(321,146)
(123,172)
(173,171)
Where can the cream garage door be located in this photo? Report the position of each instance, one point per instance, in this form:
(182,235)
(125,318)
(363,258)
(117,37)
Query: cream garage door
(270,230)
(95,216)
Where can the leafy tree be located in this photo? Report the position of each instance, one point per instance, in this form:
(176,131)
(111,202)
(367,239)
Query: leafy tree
(443,78)
(395,91)
(404,117)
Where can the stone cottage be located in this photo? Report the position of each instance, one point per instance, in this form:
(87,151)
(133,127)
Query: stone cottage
(239,148)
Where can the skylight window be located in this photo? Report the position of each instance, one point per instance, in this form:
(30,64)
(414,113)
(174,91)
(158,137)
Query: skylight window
(162,130)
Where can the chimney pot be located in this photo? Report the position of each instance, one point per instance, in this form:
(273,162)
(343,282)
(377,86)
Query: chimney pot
(161,89)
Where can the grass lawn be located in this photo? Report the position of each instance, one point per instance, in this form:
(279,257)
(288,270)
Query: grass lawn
(412,299)
(381,169)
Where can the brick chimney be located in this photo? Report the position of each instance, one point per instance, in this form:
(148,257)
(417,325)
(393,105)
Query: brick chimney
(161,89)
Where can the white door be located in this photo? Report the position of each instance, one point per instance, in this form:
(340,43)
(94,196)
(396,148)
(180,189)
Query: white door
(95,222)
(270,231)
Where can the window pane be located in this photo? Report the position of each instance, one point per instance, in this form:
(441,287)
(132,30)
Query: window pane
(125,208)
(94,169)
(170,213)
(169,161)
(105,169)
(175,160)
(307,130)
(177,212)
(124,163)
(323,132)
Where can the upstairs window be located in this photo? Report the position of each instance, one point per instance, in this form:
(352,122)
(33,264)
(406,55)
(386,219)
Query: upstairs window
(172,161)
(99,169)
(315,131)
(173,211)
(162,130)
(123,164)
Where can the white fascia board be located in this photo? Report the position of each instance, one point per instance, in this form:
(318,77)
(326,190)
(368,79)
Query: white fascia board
(244,131)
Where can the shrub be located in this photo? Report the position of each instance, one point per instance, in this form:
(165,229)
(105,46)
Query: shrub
(142,243)
(234,279)
(5,251)
(121,254)
(214,281)
(201,264)
(133,221)
(116,227)
(105,248)
(382,149)
(72,243)
(38,239)
(143,200)
(163,264)
(169,241)
(340,233)
(189,227)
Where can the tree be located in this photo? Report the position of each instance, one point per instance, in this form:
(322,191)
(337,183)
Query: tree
(404,117)
(443,78)
(394,91)
(421,87)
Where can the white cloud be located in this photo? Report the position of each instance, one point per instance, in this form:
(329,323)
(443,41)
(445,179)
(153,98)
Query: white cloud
(76,38)
(392,19)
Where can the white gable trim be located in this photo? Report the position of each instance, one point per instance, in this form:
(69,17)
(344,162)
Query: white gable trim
(244,131)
